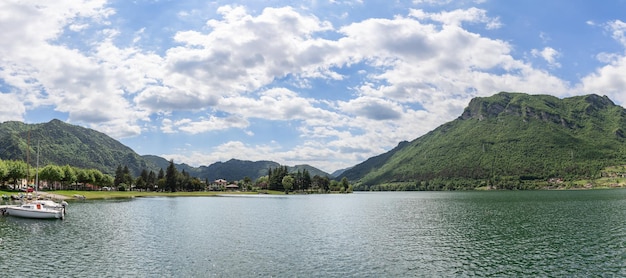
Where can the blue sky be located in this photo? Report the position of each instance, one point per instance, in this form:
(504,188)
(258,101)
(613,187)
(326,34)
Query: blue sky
(325,83)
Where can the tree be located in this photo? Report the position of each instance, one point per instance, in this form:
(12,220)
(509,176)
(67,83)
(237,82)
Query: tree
(69,175)
(127,177)
(151,181)
(276,177)
(84,176)
(119,176)
(140,183)
(262,182)
(16,170)
(306,180)
(142,180)
(106,180)
(161,174)
(3,172)
(51,173)
(345,184)
(171,176)
(287,183)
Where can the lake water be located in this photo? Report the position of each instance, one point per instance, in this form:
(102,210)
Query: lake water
(394,234)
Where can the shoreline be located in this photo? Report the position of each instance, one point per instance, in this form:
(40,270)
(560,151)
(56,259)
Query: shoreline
(76,195)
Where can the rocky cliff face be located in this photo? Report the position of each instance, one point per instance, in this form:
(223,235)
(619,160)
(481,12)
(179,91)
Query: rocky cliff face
(544,108)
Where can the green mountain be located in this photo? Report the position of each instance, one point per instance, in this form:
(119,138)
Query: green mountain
(233,169)
(61,143)
(509,140)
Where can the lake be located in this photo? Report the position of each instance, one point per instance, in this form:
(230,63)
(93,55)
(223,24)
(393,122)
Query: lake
(388,234)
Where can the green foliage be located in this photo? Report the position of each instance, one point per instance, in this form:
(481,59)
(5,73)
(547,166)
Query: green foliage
(287,183)
(234,169)
(507,141)
(276,176)
(64,144)
(171,176)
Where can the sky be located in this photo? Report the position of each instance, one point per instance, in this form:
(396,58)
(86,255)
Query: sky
(327,83)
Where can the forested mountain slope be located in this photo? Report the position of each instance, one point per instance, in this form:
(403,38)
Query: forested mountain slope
(233,169)
(61,143)
(507,140)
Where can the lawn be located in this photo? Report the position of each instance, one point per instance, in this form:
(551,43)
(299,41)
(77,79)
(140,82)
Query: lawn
(91,195)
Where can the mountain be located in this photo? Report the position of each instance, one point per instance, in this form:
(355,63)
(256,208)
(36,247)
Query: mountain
(312,170)
(507,140)
(61,143)
(337,173)
(162,163)
(233,169)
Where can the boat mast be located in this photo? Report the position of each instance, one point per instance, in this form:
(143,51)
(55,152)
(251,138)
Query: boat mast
(28,159)
(37,173)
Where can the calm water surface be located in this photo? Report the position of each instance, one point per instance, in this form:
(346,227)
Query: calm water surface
(405,234)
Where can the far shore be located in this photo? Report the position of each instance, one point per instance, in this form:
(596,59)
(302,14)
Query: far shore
(100,195)
(69,195)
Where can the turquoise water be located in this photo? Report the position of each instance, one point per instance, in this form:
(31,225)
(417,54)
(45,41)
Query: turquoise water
(395,234)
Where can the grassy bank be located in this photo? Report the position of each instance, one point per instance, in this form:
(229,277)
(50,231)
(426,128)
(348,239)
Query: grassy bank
(94,195)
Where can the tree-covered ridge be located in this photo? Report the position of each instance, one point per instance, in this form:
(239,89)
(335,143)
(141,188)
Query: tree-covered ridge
(509,140)
(60,143)
(233,169)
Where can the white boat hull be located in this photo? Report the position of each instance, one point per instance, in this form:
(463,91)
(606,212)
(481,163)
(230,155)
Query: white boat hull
(34,212)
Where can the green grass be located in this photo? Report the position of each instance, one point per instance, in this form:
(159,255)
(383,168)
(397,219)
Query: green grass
(95,195)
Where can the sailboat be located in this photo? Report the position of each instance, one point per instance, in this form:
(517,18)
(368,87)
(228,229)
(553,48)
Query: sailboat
(38,209)
(35,210)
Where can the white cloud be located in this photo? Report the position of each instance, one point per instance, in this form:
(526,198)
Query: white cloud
(51,74)
(437,67)
(418,71)
(609,79)
(618,29)
(372,108)
(12,108)
(549,54)
(457,17)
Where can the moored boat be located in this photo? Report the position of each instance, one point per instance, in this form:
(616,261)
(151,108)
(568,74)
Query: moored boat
(36,211)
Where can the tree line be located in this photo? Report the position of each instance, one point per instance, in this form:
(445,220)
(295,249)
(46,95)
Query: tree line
(169,180)
(280,179)
(58,177)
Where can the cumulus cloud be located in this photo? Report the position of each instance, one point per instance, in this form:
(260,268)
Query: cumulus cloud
(54,74)
(609,79)
(12,108)
(618,29)
(373,108)
(549,54)
(457,17)
(417,70)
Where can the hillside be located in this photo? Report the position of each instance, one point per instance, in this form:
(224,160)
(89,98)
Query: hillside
(233,169)
(509,140)
(61,143)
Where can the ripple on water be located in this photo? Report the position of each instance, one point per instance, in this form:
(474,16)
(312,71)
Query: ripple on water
(448,234)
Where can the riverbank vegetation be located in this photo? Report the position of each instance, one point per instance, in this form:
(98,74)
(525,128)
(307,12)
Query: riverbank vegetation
(17,175)
(609,177)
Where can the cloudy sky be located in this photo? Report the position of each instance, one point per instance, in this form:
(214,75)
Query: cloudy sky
(328,83)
